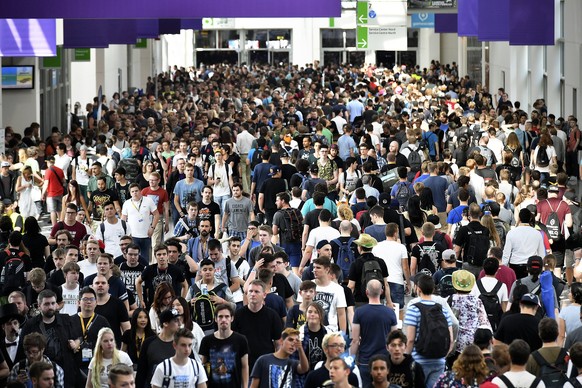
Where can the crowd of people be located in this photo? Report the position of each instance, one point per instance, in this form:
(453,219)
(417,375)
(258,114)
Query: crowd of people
(270,226)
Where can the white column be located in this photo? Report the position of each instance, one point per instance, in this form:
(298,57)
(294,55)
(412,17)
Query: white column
(429,46)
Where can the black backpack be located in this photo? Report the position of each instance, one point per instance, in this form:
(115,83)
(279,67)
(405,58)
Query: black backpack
(12,276)
(293,224)
(553,223)
(477,247)
(553,375)
(403,194)
(440,239)
(509,384)
(370,270)
(491,303)
(428,264)
(542,159)
(257,158)
(414,159)
(204,311)
(132,168)
(433,340)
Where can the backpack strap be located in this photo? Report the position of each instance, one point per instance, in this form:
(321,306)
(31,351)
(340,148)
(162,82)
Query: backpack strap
(535,382)
(480,286)
(497,287)
(507,382)
(238,263)
(540,359)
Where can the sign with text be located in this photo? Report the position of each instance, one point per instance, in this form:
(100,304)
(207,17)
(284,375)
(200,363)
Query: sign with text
(381,13)
(433,5)
(422,20)
(390,38)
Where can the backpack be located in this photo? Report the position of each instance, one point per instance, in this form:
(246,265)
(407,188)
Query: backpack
(414,159)
(478,247)
(537,290)
(358,175)
(554,374)
(500,228)
(303,178)
(433,340)
(553,223)
(509,384)
(445,287)
(440,239)
(575,383)
(345,256)
(132,168)
(257,158)
(428,263)
(371,270)
(514,159)
(12,276)
(204,310)
(123,225)
(168,378)
(542,159)
(293,224)
(491,303)
(403,194)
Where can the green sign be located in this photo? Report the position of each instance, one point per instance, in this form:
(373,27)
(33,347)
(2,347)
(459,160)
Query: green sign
(362,13)
(53,62)
(82,55)
(389,38)
(361,37)
(141,43)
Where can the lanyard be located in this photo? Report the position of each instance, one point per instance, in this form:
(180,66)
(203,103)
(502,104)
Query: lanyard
(85,330)
(137,207)
(139,343)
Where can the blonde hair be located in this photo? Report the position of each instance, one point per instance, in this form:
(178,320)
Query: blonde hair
(36,276)
(98,356)
(345,213)
(487,221)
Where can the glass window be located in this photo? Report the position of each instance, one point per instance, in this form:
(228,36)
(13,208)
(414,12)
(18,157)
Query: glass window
(332,38)
(357,58)
(279,39)
(350,38)
(257,39)
(332,58)
(205,39)
(412,37)
(229,39)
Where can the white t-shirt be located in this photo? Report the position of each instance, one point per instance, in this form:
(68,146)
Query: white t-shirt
(488,284)
(70,300)
(112,236)
(331,297)
(183,376)
(518,379)
(551,151)
(319,234)
(243,273)
(106,365)
(222,187)
(139,215)
(392,252)
(87,268)
(63,162)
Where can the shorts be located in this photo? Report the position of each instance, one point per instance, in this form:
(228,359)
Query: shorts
(569,259)
(293,250)
(54,204)
(559,258)
(397,293)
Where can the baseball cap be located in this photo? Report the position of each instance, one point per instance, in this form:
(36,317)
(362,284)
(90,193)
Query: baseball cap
(274,170)
(449,256)
(314,168)
(5,164)
(384,200)
(530,299)
(535,262)
(434,219)
(321,244)
(168,315)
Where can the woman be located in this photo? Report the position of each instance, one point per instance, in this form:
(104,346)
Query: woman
(569,318)
(344,212)
(427,201)
(494,239)
(524,197)
(28,193)
(36,242)
(198,159)
(220,177)
(468,371)
(535,266)
(143,179)
(68,140)
(133,339)
(74,196)
(540,161)
(105,355)
(163,298)
(311,334)
(183,308)
(415,214)
(233,161)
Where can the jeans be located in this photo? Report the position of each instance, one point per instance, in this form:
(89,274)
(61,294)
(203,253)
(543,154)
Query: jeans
(221,200)
(293,250)
(397,293)
(432,370)
(145,247)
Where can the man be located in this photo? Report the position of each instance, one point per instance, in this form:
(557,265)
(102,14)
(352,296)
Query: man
(99,197)
(142,216)
(53,189)
(258,323)
(116,285)
(209,210)
(62,337)
(438,186)
(111,307)
(42,375)
(88,266)
(378,227)
(175,176)
(121,376)
(395,256)
(131,268)
(370,327)
(121,184)
(160,198)
(19,299)
(125,242)
(403,370)
(244,141)
(112,229)
(323,232)
(81,170)
(380,366)
(280,285)
(186,190)
(70,224)
(180,370)
(339,372)
(473,240)
(10,322)
(268,193)
(34,345)
(277,369)
(365,268)
(7,182)
(226,350)
(517,375)
(158,273)
(198,246)
(550,352)
(70,289)
(265,238)
(71,255)
(225,271)
(523,325)
(183,261)
(238,212)
(187,226)
(504,274)
(521,243)
(330,295)
(15,264)
(288,226)
(157,348)
(430,358)
(354,108)
(426,256)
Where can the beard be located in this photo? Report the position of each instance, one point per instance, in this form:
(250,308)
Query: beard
(49,313)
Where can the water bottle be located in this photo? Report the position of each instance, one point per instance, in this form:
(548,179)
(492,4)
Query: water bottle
(204,289)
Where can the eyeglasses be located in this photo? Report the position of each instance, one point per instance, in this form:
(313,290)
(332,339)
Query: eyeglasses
(32,352)
(87,299)
(338,346)
(71,212)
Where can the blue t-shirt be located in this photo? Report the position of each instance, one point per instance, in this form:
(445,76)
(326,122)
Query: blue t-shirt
(456,215)
(189,192)
(375,323)
(377,231)
(438,186)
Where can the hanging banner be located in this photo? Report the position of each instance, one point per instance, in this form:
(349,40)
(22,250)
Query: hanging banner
(493,20)
(445,23)
(522,29)
(467,18)
(422,20)
(28,37)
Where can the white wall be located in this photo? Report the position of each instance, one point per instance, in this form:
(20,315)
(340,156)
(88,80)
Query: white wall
(84,80)
(141,66)
(449,44)
(115,58)
(21,107)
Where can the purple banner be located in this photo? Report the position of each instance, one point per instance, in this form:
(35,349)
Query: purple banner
(169,26)
(522,28)
(169,9)
(147,28)
(191,24)
(467,17)
(92,33)
(493,20)
(445,23)
(28,38)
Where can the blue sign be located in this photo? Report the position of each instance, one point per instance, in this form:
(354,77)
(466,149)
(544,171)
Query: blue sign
(422,20)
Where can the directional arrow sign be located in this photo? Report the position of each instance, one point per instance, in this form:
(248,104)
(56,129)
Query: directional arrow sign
(381,38)
(362,12)
(381,13)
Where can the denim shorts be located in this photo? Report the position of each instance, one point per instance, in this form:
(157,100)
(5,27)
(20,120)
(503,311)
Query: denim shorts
(397,293)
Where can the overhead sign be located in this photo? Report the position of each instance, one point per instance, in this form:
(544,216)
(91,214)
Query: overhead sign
(422,20)
(381,13)
(389,38)
(433,5)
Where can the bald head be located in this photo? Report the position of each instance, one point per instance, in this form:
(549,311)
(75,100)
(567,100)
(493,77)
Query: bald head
(374,288)
(345,227)
(394,147)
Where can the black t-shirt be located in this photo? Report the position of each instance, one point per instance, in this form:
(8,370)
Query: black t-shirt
(319,376)
(404,375)
(391,215)
(519,326)
(287,171)
(224,356)
(130,274)
(90,339)
(208,212)
(281,286)
(115,313)
(57,278)
(98,198)
(32,295)
(312,219)
(270,188)
(434,252)
(356,274)
(122,192)
(36,243)
(152,276)
(462,238)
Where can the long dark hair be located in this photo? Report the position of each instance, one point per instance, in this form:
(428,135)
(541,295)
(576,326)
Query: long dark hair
(415,214)
(31,226)
(77,198)
(426,199)
(148,332)
(187,316)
